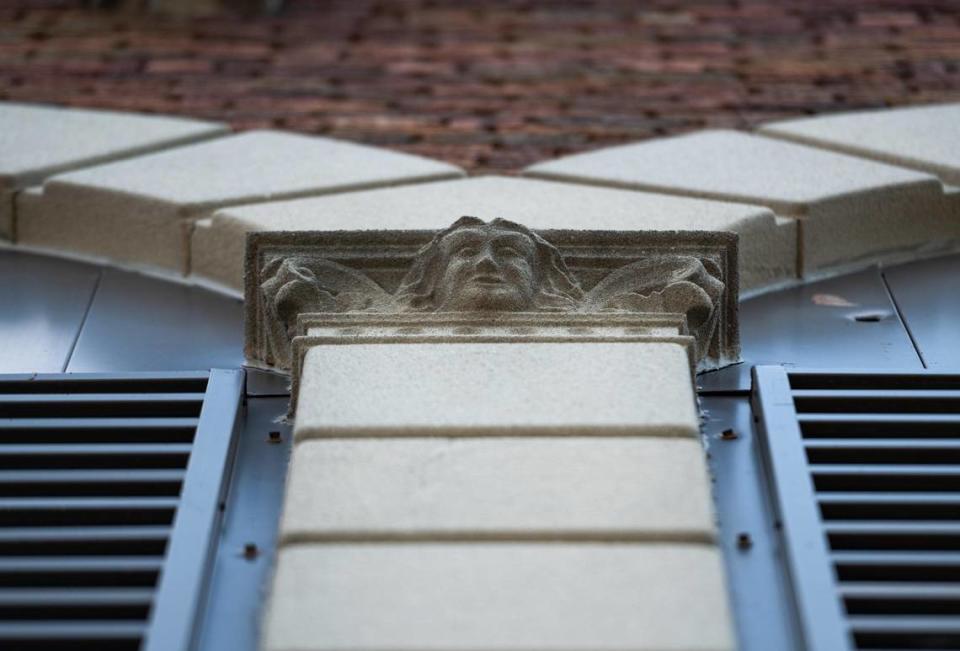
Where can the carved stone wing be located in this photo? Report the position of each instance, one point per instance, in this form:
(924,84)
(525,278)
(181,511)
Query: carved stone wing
(296,285)
(678,284)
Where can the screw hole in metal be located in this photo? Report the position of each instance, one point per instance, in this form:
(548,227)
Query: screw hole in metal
(871,317)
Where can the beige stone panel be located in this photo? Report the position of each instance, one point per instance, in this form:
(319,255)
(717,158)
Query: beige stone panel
(510,596)
(104,226)
(925,138)
(644,488)
(864,210)
(733,166)
(874,228)
(145,204)
(767,249)
(465,389)
(37,141)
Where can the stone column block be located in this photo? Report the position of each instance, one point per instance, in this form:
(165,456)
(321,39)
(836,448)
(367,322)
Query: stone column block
(530,389)
(509,596)
(638,489)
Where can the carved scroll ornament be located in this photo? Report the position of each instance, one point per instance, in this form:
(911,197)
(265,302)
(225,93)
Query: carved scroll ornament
(488,267)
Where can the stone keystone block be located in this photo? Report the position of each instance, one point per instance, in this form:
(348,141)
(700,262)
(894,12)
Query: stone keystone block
(141,211)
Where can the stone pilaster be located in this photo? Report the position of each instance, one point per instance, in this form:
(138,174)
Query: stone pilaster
(495,478)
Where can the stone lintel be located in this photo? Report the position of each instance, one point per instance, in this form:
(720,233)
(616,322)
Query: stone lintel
(336,264)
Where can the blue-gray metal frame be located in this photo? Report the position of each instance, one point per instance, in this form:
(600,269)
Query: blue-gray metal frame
(865,477)
(753,554)
(820,615)
(112,489)
(250,528)
(181,593)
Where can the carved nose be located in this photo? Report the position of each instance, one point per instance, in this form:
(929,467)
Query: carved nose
(486,261)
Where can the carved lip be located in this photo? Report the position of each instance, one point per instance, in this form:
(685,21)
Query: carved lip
(484,279)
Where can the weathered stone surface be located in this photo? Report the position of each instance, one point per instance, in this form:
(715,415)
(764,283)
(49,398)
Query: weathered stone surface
(326,328)
(466,389)
(140,211)
(925,138)
(494,268)
(494,488)
(464,597)
(37,141)
(851,210)
(767,247)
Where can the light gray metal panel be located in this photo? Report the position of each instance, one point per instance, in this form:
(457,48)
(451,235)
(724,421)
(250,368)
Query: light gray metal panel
(42,304)
(843,322)
(929,300)
(137,323)
(248,544)
(266,383)
(762,609)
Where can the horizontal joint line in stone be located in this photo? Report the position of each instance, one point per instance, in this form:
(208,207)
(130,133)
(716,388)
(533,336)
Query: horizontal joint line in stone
(681,537)
(520,431)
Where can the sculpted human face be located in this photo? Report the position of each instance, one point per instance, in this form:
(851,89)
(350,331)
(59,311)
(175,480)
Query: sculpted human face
(487,268)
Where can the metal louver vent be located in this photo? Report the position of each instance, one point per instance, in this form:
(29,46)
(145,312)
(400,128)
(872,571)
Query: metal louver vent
(865,475)
(110,493)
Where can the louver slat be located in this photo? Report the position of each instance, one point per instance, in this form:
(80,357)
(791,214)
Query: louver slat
(865,475)
(105,483)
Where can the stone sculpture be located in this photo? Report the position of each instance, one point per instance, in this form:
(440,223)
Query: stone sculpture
(488,267)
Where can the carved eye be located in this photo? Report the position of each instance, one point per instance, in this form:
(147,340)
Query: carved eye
(466,251)
(508,251)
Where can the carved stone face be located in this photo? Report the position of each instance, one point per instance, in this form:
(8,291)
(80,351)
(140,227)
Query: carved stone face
(487,268)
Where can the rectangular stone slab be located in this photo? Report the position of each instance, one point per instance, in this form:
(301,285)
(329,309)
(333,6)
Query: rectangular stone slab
(140,211)
(767,246)
(851,211)
(503,596)
(593,389)
(924,138)
(593,488)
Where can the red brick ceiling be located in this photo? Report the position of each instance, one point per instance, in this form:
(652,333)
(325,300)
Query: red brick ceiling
(492,86)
